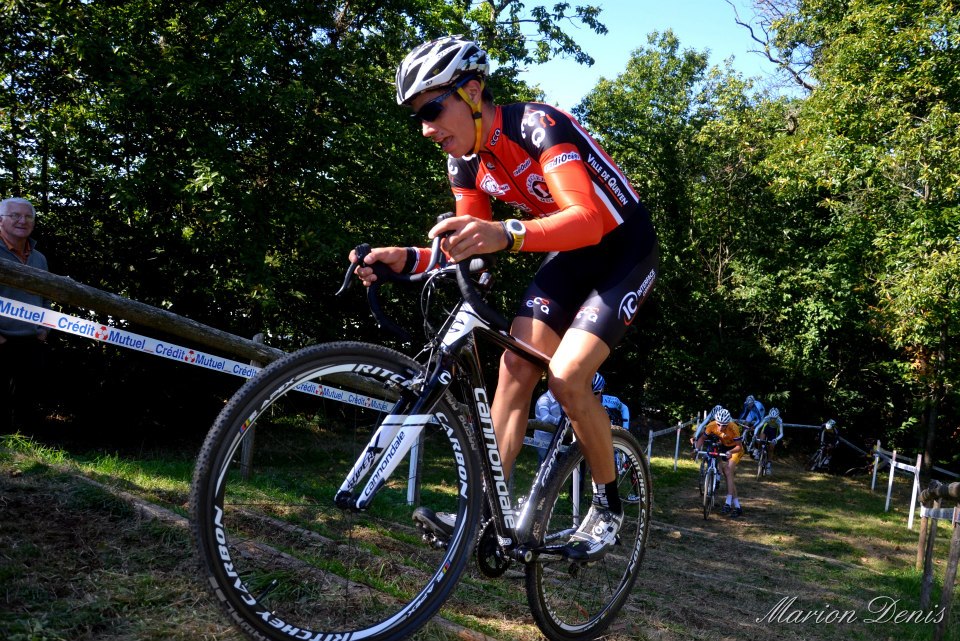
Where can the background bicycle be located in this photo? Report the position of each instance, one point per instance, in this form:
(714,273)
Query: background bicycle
(710,472)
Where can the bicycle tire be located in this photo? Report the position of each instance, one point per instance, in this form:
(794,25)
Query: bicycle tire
(281,558)
(703,475)
(762,463)
(572,601)
(815,460)
(709,489)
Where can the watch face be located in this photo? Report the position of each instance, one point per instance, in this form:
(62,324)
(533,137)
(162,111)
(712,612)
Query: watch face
(516,227)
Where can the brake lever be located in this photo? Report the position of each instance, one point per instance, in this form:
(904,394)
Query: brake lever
(360,252)
(383,274)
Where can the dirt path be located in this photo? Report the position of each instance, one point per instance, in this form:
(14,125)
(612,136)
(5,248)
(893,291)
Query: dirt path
(77,563)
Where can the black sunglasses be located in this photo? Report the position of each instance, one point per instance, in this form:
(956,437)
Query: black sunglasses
(431,110)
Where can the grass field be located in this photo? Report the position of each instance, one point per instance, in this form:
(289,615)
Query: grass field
(80,560)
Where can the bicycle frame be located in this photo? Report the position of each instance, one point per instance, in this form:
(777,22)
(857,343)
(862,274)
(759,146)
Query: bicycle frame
(454,356)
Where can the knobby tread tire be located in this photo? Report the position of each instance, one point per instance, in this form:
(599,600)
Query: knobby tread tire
(281,558)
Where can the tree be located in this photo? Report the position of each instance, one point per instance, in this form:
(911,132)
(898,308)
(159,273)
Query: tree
(221,160)
(880,139)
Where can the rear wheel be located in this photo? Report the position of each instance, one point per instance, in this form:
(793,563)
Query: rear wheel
(280,547)
(573,601)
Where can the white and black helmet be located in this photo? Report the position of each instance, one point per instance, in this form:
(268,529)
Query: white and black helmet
(439,63)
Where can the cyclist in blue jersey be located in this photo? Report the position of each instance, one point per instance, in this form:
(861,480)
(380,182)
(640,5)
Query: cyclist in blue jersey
(753,412)
(548,410)
(712,414)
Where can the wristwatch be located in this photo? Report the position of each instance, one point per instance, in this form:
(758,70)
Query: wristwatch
(516,232)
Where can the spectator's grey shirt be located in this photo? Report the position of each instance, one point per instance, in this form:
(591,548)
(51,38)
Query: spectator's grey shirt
(10,326)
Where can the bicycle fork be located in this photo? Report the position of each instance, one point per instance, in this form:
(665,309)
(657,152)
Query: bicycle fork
(393,439)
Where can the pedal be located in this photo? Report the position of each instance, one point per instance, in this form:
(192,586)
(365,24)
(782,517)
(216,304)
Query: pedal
(430,538)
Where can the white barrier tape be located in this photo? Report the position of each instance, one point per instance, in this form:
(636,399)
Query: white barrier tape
(940,513)
(122,338)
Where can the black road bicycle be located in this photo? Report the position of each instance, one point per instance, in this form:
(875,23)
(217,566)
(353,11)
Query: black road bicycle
(710,472)
(306,531)
(763,456)
(819,460)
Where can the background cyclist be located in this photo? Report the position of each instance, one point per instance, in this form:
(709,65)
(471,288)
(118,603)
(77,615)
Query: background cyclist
(770,428)
(829,438)
(723,426)
(600,238)
(547,409)
(751,415)
(615,408)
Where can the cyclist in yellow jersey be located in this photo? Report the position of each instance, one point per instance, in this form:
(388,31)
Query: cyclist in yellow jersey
(724,427)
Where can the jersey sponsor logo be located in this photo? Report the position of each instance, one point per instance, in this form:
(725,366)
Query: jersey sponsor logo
(630,304)
(537,187)
(495,138)
(562,159)
(538,121)
(538,302)
(590,313)
(608,178)
(452,168)
(492,187)
(522,167)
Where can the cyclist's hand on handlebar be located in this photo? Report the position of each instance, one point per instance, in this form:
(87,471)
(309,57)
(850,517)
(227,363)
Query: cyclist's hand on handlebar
(470,236)
(392,257)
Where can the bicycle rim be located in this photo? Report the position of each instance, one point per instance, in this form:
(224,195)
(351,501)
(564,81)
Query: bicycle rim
(578,601)
(761,463)
(284,561)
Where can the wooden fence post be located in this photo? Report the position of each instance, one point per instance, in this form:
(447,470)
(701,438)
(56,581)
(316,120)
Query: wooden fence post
(949,578)
(246,451)
(926,583)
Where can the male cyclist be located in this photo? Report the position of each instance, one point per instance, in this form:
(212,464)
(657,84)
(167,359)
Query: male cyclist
(749,418)
(723,427)
(829,438)
(770,428)
(579,208)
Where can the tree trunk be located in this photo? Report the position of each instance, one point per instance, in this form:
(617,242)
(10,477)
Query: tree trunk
(937,392)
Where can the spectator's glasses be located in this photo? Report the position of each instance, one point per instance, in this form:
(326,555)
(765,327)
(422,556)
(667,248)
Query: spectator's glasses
(432,109)
(27,217)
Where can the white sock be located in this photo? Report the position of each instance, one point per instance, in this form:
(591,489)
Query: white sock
(729,498)
(736,502)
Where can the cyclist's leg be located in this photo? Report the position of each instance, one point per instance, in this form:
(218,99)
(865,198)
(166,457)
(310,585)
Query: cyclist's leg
(572,367)
(518,377)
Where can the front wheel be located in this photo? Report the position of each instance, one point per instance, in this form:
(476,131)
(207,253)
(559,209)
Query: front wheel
(816,460)
(283,550)
(762,463)
(573,601)
(709,489)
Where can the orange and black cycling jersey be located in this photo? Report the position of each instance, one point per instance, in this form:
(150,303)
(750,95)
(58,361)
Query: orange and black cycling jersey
(729,434)
(541,161)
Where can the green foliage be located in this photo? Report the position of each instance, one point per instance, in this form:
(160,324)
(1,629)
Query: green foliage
(220,162)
